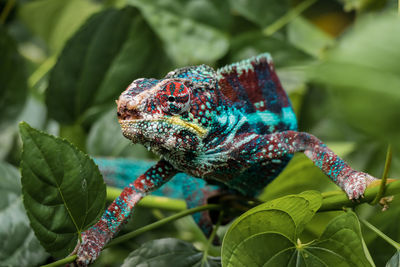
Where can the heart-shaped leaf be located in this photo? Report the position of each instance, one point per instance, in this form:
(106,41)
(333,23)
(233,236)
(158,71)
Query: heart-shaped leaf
(281,220)
(168,252)
(18,244)
(63,191)
(269,235)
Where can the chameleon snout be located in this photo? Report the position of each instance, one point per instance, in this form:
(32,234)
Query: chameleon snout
(127,110)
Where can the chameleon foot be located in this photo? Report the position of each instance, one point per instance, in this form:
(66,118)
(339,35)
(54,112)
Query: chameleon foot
(90,247)
(356,183)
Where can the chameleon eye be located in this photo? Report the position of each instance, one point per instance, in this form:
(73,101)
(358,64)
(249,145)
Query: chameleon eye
(175,98)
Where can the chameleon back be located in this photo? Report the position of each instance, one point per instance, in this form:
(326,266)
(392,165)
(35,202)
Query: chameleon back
(254,88)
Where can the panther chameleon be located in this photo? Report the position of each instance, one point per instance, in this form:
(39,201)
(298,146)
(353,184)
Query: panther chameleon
(234,128)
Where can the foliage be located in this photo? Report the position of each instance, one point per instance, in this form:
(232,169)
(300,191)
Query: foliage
(162,252)
(63,63)
(269,235)
(62,188)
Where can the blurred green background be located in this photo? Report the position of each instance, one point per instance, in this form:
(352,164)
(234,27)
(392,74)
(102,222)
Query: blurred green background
(64,62)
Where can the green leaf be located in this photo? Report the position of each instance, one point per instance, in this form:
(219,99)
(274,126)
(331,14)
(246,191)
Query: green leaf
(187,40)
(56,21)
(381,249)
(261,12)
(18,244)
(110,50)
(342,240)
(13,85)
(63,191)
(106,139)
(164,252)
(394,261)
(363,73)
(251,44)
(269,235)
(277,221)
(308,37)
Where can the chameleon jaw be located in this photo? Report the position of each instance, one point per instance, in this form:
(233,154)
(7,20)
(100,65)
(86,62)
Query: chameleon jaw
(174,120)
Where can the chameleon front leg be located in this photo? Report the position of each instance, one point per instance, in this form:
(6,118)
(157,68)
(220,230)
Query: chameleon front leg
(97,236)
(351,181)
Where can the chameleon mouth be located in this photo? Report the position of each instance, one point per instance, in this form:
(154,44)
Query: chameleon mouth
(126,125)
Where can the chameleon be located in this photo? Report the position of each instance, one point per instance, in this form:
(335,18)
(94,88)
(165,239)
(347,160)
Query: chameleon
(234,128)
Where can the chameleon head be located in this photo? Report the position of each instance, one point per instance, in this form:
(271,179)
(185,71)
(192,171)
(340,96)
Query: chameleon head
(167,115)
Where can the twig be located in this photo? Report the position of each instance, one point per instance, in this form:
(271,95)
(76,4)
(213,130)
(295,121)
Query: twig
(6,11)
(288,17)
(381,234)
(159,223)
(382,187)
(61,262)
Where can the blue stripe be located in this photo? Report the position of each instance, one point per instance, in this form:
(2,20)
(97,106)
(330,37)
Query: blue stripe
(272,119)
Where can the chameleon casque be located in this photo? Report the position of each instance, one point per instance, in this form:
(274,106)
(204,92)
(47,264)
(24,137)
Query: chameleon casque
(234,128)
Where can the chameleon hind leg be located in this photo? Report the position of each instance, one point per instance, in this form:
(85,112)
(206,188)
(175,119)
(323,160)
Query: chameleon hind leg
(275,146)
(97,236)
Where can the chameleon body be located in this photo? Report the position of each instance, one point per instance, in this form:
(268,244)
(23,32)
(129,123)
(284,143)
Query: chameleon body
(234,128)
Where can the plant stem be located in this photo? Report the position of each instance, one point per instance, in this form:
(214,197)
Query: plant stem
(61,262)
(6,11)
(159,223)
(388,161)
(151,201)
(288,17)
(211,238)
(338,201)
(139,231)
(381,234)
(41,71)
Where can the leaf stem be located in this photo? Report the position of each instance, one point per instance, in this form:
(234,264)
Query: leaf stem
(382,187)
(381,234)
(6,11)
(61,262)
(288,17)
(159,223)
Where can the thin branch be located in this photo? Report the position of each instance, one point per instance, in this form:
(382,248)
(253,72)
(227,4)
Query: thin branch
(288,17)
(382,188)
(139,231)
(6,11)
(211,238)
(61,262)
(338,201)
(381,234)
(159,223)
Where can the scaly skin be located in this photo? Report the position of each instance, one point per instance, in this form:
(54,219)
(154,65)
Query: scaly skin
(234,127)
